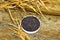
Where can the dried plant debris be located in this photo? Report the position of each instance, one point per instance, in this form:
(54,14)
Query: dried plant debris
(46,6)
(39,7)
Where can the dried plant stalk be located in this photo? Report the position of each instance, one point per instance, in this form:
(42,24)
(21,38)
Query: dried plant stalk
(16,28)
(38,6)
(46,6)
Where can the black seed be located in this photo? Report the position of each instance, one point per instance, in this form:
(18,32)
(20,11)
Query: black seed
(30,23)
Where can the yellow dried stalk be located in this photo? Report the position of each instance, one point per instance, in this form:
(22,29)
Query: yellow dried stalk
(46,6)
(38,6)
(16,28)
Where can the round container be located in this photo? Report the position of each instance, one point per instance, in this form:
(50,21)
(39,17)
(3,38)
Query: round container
(30,24)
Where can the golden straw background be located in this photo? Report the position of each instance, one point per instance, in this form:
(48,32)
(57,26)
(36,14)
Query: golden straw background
(12,12)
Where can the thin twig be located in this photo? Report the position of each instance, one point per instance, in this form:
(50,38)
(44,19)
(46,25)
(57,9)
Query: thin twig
(11,16)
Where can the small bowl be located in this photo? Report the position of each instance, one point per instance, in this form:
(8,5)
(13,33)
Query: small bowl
(31,32)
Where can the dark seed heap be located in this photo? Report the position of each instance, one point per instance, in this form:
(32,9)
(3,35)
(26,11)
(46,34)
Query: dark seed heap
(30,23)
